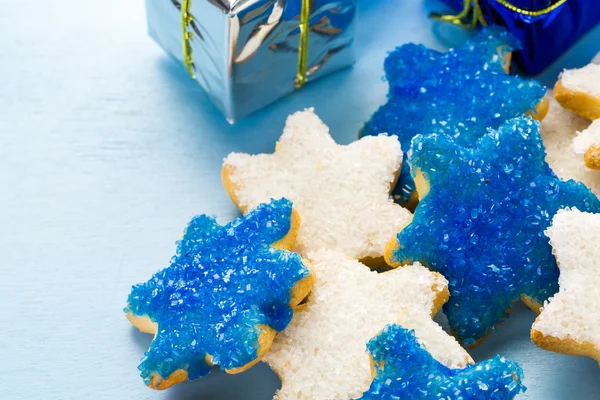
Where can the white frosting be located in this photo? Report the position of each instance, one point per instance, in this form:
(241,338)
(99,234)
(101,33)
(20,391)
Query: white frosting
(341,192)
(574,312)
(323,354)
(558,130)
(585,79)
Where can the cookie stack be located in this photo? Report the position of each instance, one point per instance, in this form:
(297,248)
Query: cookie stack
(297,281)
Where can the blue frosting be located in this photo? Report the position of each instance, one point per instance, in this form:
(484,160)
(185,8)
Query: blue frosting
(221,284)
(482,223)
(405,370)
(459,93)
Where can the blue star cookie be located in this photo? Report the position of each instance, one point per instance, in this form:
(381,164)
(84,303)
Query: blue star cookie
(459,93)
(226,292)
(481,222)
(404,369)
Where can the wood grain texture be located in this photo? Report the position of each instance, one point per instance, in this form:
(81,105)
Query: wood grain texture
(107,149)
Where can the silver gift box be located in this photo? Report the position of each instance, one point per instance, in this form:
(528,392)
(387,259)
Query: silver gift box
(248,53)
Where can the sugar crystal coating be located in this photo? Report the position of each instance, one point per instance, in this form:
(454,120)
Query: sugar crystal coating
(321,355)
(459,93)
(559,130)
(482,223)
(587,138)
(585,79)
(573,315)
(342,192)
(406,370)
(223,282)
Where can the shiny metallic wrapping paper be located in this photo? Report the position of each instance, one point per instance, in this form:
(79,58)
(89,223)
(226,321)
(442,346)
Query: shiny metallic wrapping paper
(246,52)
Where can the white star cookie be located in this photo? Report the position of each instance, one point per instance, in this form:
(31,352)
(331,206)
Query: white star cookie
(578,90)
(322,354)
(587,143)
(570,322)
(558,130)
(341,192)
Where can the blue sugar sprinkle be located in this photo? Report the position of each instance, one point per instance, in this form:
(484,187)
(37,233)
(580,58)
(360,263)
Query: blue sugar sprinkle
(458,93)
(405,370)
(221,284)
(482,223)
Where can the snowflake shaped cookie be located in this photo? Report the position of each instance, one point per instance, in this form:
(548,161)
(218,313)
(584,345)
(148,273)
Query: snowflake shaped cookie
(587,143)
(570,322)
(404,369)
(578,90)
(560,130)
(226,293)
(341,192)
(458,93)
(481,220)
(321,355)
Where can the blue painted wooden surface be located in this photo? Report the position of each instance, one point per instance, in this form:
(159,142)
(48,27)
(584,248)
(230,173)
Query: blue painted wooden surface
(107,149)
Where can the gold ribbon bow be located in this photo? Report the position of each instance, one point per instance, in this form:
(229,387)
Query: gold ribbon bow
(187,18)
(472,9)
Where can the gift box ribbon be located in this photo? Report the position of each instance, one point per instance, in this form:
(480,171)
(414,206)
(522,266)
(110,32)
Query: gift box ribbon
(187,19)
(472,8)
